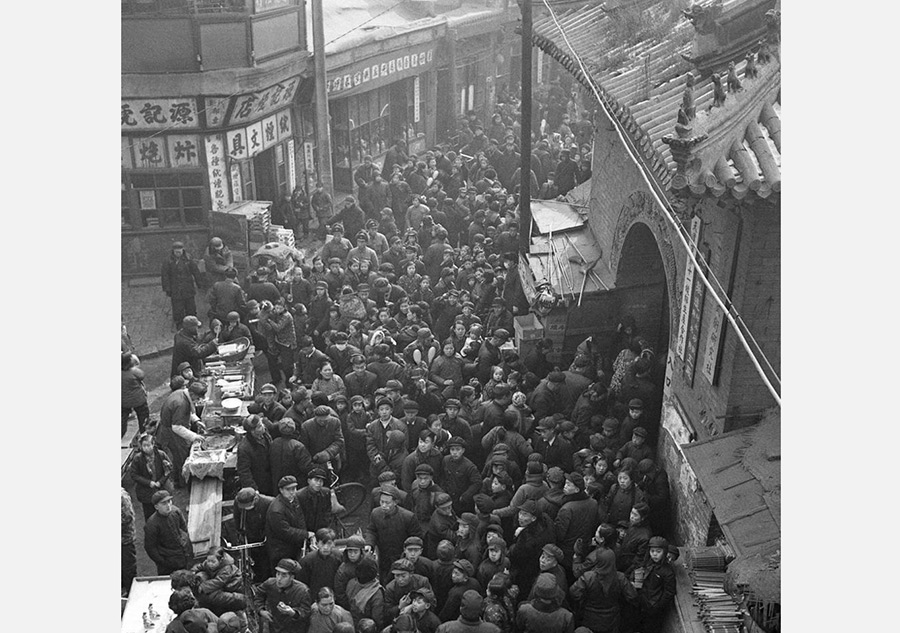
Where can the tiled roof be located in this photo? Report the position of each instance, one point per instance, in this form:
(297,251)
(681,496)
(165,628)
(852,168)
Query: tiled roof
(637,61)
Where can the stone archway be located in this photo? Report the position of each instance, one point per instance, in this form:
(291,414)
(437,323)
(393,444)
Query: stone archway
(640,209)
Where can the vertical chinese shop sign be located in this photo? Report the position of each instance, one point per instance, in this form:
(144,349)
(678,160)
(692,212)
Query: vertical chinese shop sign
(215,161)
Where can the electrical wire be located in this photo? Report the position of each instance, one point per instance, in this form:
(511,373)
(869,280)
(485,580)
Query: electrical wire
(374,17)
(668,213)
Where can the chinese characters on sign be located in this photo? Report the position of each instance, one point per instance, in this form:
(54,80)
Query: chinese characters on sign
(292,166)
(711,354)
(158,114)
(248,142)
(379,71)
(416,105)
(215,157)
(236,185)
(184,150)
(686,290)
(696,320)
(215,108)
(250,107)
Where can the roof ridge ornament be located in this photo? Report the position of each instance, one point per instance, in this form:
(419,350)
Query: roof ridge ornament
(750,70)
(734,83)
(719,94)
(682,143)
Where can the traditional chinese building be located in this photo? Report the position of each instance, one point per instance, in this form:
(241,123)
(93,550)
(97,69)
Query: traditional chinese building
(697,95)
(407,72)
(211,114)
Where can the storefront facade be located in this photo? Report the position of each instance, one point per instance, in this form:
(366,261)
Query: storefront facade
(376,101)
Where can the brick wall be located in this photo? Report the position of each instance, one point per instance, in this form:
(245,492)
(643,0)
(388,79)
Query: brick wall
(690,511)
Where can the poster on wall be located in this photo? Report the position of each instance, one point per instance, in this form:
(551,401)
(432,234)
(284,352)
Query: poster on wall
(711,352)
(237,187)
(215,161)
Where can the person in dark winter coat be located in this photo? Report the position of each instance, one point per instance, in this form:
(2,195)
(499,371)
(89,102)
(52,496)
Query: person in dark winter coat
(189,348)
(226,296)
(221,587)
(285,524)
(463,581)
(461,479)
(566,173)
(633,548)
(425,453)
(180,280)
(165,536)
(535,530)
(283,601)
(366,595)
(600,593)
(248,525)
(403,582)
(389,526)
(543,612)
(323,437)
(287,454)
(315,501)
(151,471)
(253,466)
(469,620)
(657,593)
(179,425)
(576,520)
(654,482)
(319,568)
(352,555)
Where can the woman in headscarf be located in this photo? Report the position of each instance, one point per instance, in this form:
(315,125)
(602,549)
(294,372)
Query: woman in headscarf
(599,594)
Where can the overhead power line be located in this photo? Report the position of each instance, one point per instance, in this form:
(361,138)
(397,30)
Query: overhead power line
(660,198)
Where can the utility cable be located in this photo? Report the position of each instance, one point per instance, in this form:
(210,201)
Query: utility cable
(664,205)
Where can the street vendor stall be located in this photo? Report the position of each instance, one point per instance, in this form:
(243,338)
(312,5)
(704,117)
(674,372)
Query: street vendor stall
(147,608)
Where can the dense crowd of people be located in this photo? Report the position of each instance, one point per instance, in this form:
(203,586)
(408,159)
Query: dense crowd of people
(508,493)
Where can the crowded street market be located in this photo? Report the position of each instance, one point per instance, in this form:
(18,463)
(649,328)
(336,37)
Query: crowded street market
(428,401)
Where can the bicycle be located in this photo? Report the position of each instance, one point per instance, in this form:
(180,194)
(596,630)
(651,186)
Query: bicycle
(350,496)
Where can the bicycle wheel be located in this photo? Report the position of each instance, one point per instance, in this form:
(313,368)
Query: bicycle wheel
(351,495)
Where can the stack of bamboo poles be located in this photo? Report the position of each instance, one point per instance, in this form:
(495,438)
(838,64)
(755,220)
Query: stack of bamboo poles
(719,611)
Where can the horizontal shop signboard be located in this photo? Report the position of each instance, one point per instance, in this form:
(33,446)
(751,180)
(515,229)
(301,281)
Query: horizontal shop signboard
(379,71)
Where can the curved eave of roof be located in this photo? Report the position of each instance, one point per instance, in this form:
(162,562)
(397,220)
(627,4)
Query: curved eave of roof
(642,82)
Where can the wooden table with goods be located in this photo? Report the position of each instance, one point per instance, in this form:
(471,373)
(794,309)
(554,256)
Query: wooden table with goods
(148,597)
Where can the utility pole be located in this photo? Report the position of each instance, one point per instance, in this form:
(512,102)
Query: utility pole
(525,126)
(323,119)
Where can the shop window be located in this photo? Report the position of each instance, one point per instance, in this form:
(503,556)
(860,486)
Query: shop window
(167,200)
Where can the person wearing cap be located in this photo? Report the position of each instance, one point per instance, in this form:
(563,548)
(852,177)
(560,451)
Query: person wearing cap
(351,218)
(354,429)
(359,381)
(388,294)
(180,280)
(499,317)
(424,453)
(341,352)
(364,176)
(353,553)
(463,579)
(309,359)
(323,436)
(301,408)
(441,525)
(217,260)
(413,547)
(633,420)
(363,251)
(336,277)
(283,601)
(286,530)
(277,324)
(469,620)
(637,449)
(489,354)
(321,204)
(460,478)
(233,329)
(231,622)
(544,611)
(189,347)
(253,466)
(546,399)
(423,493)
(388,528)
(377,435)
(535,530)
(179,427)
(260,288)
(622,497)
(657,592)
(387,480)
(225,296)
(552,500)
(316,501)
(553,447)
(403,582)
(248,526)
(417,605)
(467,542)
(166,539)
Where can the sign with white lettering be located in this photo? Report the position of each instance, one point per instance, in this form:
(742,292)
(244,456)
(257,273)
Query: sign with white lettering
(685,311)
(255,139)
(158,114)
(236,185)
(711,353)
(416,107)
(378,71)
(215,108)
(292,165)
(308,160)
(270,132)
(215,160)
(285,129)
(237,144)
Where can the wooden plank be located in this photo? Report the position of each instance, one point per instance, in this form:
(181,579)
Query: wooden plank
(205,514)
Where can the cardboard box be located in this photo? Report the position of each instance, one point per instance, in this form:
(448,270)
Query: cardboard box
(528,327)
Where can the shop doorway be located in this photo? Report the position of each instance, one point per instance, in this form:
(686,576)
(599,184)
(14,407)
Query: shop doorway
(266,181)
(398,111)
(643,296)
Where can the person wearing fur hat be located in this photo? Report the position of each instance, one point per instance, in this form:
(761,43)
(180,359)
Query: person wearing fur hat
(467,544)
(354,552)
(576,520)
(543,612)
(535,530)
